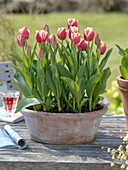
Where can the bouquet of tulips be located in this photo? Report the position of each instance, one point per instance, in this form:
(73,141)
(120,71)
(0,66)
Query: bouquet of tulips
(64,73)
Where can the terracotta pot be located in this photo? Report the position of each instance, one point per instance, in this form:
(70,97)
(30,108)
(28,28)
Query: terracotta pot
(123,87)
(63,128)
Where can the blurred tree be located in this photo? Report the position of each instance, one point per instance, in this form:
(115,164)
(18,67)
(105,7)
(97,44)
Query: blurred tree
(46,6)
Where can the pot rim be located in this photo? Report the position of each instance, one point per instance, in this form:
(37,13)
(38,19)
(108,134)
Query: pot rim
(101,112)
(121,79)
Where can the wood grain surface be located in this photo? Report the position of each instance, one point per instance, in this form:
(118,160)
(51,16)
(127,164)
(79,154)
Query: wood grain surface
(89,156)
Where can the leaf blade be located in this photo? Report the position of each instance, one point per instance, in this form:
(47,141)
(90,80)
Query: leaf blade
(26,102)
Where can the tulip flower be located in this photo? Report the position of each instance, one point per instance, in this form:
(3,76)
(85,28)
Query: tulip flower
(62,33)
(72,30)
(46,28)
(41,36)
(72,22)
(89,34)
(21,41)
(75,38)
(40,53)
(52,40)
(24,32)
(97,38)
(82,45)
(103,48)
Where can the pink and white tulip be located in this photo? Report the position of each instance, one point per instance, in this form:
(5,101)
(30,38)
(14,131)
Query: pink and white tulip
(103,48)
(21,41)
(82,45)
(75,37)
(28,50)
(41,36)
(97,38)
(46,28)
(72,22)
(62,33)
(52,40)
(24,32)
(40,53)
(73,29)
(89,34)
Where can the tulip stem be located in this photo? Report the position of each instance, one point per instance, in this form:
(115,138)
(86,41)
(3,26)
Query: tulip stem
(62,52)
(98,51)
(74,103)
(88,59)
(90,104)
(59,107)
(26,64)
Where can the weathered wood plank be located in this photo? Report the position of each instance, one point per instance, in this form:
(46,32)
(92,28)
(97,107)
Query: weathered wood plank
(66,157)
(11,86)
(6,76)
(6,66)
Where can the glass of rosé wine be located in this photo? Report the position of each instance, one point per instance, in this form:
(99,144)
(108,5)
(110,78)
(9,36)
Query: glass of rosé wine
(10,99)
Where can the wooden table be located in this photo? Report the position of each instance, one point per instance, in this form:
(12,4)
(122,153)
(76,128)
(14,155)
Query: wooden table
(66,157)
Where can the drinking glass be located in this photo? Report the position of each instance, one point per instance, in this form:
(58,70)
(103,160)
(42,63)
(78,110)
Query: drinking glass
(10,99)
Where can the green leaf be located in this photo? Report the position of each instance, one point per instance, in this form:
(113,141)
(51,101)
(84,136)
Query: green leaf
(24,75)
(17,58)
(80,72)
(48,104)
(66,50)
(83,84)
(101,85)
(22,84)
(34,52)
(126,49)
(56,79)
(124,72)
(26,102)
(105,59)
(74,87)
(105,75)
(39,86)
(63,71)
(36,93)
(83,102)
(91,84)
(124,61)
(49,75)
(121,50)
(73,109)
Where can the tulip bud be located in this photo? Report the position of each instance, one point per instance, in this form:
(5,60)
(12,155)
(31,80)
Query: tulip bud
(82,45)
(75,38)
(103,48)
(97,38)
(89,34)
(21,41)
(28,50)
(62,33)
(46,28)
(52,40)
(72,22)
(41,36)
(40,53)
(24,32)
(72,30)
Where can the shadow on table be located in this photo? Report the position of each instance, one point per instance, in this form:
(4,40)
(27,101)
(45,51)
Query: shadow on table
(88,151)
